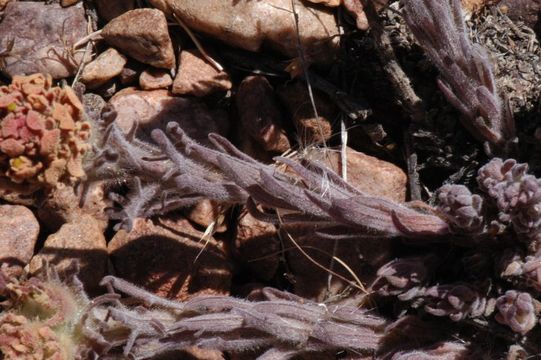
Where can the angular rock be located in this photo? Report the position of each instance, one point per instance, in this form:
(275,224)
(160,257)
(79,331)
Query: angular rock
(19,230)
(310,129)
(366,173)
(109,10)
(260,115)
(195,76)
(42,36)
(252,24)
(80,241)
(156,108)
(105,67)
(168,257)
(153,79)
(143,35)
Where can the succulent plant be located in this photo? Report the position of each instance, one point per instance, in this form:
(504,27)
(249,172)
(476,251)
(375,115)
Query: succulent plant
(43,133)
(462,209)
(44,319)
(518,311)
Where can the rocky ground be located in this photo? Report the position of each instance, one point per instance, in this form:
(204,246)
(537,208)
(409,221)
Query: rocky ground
(308,80)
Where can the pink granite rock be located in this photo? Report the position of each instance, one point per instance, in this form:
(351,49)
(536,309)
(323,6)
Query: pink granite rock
(19,230)
(42,36)
(195,76)
(106,66)
(143,35)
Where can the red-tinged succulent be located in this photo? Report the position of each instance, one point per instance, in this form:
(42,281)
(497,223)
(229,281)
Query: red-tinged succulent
(43,319)
(43,135)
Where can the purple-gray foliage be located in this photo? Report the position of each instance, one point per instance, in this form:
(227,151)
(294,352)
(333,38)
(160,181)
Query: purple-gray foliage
(463,209)
(284,324)
(178,172)
(517,195)
(517,310)
(466,76)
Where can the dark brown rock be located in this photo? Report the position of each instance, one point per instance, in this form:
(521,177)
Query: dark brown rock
(168,257)
(109,10)
(310,129)
(257,245)
(19,231)
(522,10)
(129,75)
(61,205)
(260,115)
(195,76)
(80,241)
(143,35)
(42,36)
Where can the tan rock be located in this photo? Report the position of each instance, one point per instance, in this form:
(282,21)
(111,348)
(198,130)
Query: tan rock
(197,353)
(331,3)
(310,129)
(195,76)
(251,24)
(81,241)
(474,6)
(169,257)
(3,3)
(143,35)
(109,10)
(366,173)
(153,79)
(19,230)
(260,115)
(105,67)
(157,107)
